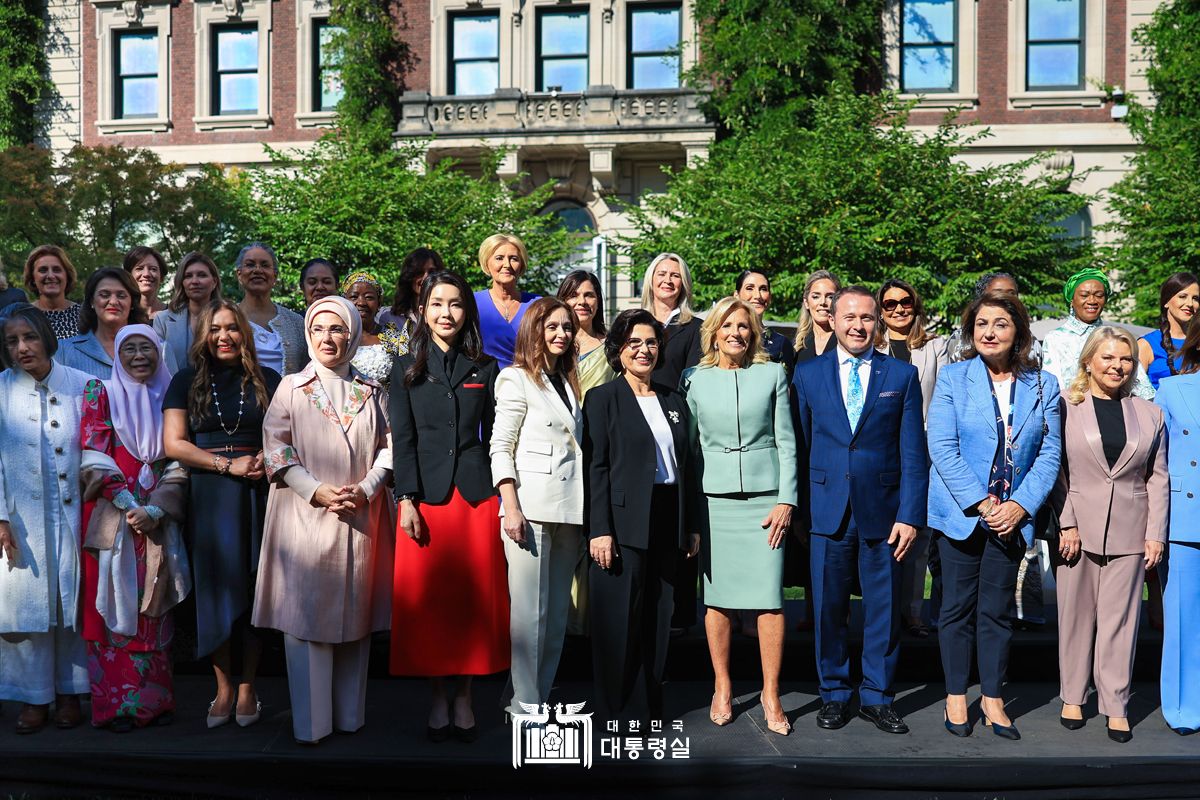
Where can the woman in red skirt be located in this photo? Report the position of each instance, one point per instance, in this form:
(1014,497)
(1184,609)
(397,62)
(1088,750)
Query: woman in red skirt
(450,600)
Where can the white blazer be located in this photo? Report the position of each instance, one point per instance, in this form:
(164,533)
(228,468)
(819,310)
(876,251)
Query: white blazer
(536,443)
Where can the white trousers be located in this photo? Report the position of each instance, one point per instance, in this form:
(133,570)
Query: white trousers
(540,571)
(36,666)
(328,686)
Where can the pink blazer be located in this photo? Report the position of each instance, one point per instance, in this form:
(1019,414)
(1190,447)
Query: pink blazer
(1117,510)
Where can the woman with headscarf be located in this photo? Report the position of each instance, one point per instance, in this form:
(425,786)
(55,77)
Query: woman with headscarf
(1086,293)
(133,568)
(324,576)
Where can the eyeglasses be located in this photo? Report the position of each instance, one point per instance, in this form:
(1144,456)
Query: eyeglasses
(131,350)
(638,344)
(904,302)
(332,330)
(262,266)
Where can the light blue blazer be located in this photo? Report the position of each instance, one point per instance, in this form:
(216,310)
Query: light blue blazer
(963,441)
(1179,398)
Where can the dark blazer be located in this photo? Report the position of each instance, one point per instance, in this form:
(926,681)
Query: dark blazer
(809,351)
(442,427)
(880,469)
(682,351)
(781,351)
(620,462)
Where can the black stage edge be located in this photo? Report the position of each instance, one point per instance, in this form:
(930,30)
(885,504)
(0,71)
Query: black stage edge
(392,758)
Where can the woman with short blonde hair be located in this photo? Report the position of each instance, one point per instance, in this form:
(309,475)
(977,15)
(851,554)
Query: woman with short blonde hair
(503,258)
(50,277)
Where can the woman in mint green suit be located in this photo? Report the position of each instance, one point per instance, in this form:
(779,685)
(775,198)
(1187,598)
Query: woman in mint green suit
(745,446)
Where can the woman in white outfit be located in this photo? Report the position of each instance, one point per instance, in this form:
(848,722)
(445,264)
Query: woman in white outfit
(537,466)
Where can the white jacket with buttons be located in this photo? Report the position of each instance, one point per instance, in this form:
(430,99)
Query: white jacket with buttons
(41,426)
(536,443)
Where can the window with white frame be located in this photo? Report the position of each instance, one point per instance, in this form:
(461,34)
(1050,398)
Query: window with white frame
(1054,48)
(653,45)
(562,50)
(327,75)
(928,46)
(474,53)
(135,79)
(235,70)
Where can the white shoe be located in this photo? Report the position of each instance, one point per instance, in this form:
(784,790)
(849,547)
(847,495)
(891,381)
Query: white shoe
(246,720)
(216,721)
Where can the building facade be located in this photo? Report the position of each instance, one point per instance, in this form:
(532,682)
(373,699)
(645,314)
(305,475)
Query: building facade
(584,95)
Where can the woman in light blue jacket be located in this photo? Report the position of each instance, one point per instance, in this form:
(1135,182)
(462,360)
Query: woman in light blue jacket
(1179,398)
(995,441)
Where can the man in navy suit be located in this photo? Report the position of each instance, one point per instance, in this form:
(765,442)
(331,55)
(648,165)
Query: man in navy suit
(864,476)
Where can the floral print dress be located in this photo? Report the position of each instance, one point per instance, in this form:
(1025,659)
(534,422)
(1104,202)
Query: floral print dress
(130,676)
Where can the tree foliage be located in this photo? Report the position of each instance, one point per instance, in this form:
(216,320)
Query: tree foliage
(861,195)
(24,81)
(1157,203)
(100,201)
(373,61)
(765,58)
(365,209)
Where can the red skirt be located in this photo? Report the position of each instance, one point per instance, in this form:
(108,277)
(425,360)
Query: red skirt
(450,594)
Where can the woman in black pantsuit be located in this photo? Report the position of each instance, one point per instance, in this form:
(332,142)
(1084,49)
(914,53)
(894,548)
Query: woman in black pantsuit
(636,457)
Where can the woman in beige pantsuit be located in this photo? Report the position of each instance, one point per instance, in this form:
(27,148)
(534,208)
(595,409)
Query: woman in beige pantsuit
(324,576)
(1112,498)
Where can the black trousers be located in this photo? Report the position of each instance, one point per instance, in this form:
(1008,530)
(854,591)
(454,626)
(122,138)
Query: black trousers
(979,578)
(630,606)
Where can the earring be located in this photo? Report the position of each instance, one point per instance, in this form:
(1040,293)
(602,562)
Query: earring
(1088,370)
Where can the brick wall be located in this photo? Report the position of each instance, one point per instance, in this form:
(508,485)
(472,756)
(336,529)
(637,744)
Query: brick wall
(416,29)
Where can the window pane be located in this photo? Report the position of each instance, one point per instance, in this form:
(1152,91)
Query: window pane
(1053,65)
(928,21)
(327,56)
(1053,19)
(655,30)
(564,34)
(239,94)
(928,68)
(656,72)
(1076,226)
(476,37)
(568,74)
(237,49)
(139,97)
(331,90)
(476,78)
(138,53)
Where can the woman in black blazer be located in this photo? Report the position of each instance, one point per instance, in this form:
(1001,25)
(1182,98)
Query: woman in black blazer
(450,592)
(636,457)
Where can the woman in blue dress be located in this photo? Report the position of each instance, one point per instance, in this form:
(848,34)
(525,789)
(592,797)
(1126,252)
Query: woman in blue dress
(1162,350)
(504,259)
(1178,398)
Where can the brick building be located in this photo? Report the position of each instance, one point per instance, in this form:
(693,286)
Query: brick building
(585,93)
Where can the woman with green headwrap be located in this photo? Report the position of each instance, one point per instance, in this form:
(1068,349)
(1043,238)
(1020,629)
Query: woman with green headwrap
(1086,293)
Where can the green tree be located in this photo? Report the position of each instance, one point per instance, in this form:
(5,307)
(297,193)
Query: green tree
(373,61)
(97,202)
(365,209)
(24,80)
(1156,203)
(767,58)
(860,194)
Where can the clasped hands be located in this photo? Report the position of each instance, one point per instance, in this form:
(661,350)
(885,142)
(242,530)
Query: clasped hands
(345,501)
(1001,517)
(249,467)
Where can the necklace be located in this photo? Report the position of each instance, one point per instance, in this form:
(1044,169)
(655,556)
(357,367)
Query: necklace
(502,306)
(220,418)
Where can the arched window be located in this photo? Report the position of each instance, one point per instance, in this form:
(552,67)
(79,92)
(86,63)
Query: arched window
(1077,226)
(571,215)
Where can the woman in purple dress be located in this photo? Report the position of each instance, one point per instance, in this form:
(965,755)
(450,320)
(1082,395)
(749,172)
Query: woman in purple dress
(501,306)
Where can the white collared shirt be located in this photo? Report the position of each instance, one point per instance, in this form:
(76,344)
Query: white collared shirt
(864,370)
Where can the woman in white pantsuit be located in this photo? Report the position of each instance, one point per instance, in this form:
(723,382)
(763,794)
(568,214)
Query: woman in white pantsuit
(537,466)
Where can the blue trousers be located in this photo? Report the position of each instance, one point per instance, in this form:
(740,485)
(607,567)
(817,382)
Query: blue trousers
(835,561)
(1181,643)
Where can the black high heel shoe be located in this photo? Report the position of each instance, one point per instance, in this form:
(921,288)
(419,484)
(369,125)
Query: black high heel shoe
(1009,732)
(1072,724)
(960,729)
(1120,737)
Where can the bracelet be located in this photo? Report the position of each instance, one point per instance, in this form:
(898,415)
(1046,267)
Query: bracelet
(221,465)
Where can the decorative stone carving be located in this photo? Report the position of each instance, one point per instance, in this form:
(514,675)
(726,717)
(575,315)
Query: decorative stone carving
(133,11)
(233,8)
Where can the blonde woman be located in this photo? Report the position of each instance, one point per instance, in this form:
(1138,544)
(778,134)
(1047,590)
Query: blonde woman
(744,442)
(1111,498)
(667,294)
(814,329)
(504,259)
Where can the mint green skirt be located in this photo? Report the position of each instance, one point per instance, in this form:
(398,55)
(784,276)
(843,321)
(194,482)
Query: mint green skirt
(739,568)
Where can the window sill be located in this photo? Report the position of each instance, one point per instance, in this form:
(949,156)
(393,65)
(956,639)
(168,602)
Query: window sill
(316,119)
(232,122)
(942,101)
(1084,98)
(110,127)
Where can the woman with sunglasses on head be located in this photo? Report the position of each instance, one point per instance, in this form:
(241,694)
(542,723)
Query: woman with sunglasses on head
(450,607)
(903,335)
(278,332)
